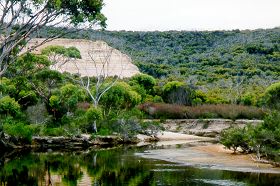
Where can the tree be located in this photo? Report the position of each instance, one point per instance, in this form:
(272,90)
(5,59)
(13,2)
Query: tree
(65,99)
(101,64)
(9,106)
(44,83)
(272,96)
(233,138)
(120,96)
(21,19)
(21,73)
(145,81)
(59,55)
(176,92)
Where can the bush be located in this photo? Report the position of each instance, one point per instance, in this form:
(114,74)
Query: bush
(93,114)
(157,99)
(20,131)
(233,138)
(248,99)
(53,131)
(263,139)
(176,92)
(9,106)
(120,96)
(145,81)
(272,96)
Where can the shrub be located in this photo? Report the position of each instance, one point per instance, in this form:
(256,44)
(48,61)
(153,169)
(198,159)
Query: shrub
(120,96)
(248,99)
(176,92)
(145,81)
(48,131)
(93,114)
(233,138)
(263,139)
(19,130)
(272,96)
(157,99)
(9,106)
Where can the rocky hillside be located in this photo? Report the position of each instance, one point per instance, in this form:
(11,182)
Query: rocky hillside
(98,58)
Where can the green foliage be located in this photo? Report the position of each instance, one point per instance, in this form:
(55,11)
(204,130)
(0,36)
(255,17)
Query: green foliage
(71,52)
(7,87)
(176,92)
(120,96)
(233,138)
(48,131)
(65,99)
(272,95)
(44,82)
(248,99)
(27,98)
(19,90)
(19,130)
(263,139)
(145,81)
(8,106)
(157,99)
(79,12)
(28,64)
(93,114)
(48,76)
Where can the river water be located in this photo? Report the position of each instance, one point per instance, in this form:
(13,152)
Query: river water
(114,166)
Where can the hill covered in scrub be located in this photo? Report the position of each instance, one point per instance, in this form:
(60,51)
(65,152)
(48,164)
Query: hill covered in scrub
(228,64)
(205,54)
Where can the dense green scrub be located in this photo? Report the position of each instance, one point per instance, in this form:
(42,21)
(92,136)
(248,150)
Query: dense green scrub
(208,74)
(229,66)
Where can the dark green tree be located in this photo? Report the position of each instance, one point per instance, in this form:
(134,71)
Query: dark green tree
(272,95)
(176,92)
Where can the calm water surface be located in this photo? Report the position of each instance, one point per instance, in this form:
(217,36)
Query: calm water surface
(117,166)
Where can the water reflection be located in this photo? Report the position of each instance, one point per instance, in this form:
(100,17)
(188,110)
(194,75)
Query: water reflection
(116,166)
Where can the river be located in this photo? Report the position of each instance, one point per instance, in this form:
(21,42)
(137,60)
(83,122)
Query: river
(114,166)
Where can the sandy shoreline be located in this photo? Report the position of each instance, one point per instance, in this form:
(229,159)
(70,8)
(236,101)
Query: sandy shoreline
(204,155)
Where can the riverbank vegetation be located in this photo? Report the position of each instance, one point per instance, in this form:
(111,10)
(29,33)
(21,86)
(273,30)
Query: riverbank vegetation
(262,139)
(231,75)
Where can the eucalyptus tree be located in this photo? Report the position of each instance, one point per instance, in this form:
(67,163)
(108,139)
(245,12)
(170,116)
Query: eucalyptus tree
(101,66)
(20,20)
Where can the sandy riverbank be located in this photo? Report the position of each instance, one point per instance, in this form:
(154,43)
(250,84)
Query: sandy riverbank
(203,154)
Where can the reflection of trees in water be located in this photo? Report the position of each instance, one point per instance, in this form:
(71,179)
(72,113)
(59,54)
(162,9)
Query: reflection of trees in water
(19,178)
(107,167)
(113,168)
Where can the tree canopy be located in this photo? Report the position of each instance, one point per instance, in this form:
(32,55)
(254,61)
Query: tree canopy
(20,20)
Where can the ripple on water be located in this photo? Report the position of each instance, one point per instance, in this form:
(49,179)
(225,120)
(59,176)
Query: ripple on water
(222,182)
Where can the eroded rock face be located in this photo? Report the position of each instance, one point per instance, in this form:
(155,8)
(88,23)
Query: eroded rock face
(119,64)
(205,127)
